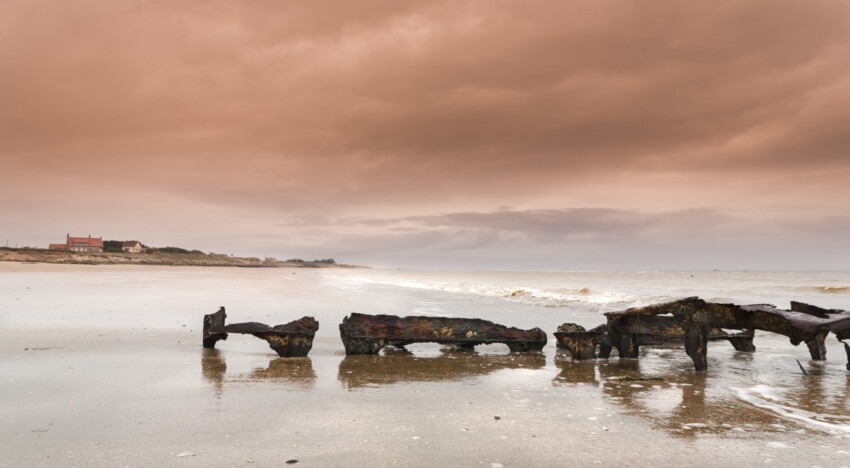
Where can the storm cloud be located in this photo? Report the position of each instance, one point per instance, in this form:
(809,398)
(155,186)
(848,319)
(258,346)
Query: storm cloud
(596,120)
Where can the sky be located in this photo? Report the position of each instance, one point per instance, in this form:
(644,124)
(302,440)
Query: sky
(440,134)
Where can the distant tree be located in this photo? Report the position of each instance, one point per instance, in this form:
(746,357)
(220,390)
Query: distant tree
(173,250)
(113,246)
(328,261)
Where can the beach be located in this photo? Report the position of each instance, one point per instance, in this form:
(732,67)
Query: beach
(103,366)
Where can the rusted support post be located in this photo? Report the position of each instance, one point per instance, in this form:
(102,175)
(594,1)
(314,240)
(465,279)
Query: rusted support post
(354,346)
(603,339)
(628,346)
(211,321)
(696,345)
(580,343)
(613,342)
(466,346)
(743,341)
(522,346)
(817,345)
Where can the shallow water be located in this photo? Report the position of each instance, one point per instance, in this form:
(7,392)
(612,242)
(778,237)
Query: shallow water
(103,366)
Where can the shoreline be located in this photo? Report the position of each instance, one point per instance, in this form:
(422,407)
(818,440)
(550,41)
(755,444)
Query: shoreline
(60,257)
(101,364)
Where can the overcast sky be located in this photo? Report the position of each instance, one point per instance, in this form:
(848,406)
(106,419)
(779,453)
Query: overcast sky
(458,134)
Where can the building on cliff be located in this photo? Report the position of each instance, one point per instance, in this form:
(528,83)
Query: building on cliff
(132,247)
(80,244)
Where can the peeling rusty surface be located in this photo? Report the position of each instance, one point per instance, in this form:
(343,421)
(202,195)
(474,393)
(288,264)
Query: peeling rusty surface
(651,331)
(580,343)
(696,322)
(368,334)
(293,339)
(212,321)
(839,320)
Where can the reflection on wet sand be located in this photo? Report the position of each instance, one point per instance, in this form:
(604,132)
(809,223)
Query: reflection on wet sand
(402,366)
(675,403)
(295,372)
(821,399)
(213,369)
(575,372)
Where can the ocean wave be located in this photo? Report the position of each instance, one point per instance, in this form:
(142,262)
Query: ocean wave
(832,289)
(562,297)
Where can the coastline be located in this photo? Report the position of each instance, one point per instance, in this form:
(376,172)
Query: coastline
(104,366)
(33,255)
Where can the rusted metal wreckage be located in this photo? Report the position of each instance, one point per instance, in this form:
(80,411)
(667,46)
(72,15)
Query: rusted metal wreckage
(293,339)
(367,334)
(692,321)
(696,322)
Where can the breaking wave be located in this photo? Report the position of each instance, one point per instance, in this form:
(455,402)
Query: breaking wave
(832,289)
(561,297)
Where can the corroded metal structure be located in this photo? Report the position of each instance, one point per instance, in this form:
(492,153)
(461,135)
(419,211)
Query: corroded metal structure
(293,339)
(580,343)
(367,334)
(696,322)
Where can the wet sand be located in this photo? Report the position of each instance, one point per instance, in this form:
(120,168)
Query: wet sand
(147,394)
(104,398)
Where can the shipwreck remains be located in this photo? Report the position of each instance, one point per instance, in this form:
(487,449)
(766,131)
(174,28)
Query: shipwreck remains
(367,334)
(293,339)
(696,322)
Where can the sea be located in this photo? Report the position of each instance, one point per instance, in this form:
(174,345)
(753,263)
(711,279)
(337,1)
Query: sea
(138,321)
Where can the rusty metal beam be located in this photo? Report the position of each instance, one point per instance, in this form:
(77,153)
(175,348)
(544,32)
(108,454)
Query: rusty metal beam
(367,334)
(293,339)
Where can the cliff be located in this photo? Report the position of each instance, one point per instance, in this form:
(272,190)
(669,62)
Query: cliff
(30,255)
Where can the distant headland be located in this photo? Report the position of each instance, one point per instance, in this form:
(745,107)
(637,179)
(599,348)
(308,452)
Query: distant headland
(173,256)
(96,251)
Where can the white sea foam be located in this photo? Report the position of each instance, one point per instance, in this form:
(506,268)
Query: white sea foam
(769,398)
(560,297)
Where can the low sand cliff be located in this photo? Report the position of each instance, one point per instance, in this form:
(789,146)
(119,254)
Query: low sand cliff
(29,255)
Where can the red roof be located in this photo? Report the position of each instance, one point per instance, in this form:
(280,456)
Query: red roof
(85,241)
(58,247)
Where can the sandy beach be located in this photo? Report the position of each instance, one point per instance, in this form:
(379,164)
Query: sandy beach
(526,164)
(103,366)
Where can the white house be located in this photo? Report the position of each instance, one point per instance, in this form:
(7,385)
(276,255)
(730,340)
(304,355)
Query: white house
(132,247)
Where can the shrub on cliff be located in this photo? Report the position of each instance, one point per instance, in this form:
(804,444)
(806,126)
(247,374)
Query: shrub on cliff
(113,246)
(173,250)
